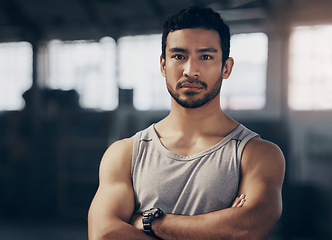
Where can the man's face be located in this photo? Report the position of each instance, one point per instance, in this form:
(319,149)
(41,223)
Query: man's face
(193,66)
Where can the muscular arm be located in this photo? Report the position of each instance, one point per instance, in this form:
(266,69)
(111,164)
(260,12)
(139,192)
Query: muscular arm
(113,204)
(262,169)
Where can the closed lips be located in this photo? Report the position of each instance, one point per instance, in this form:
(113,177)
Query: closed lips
(191,85)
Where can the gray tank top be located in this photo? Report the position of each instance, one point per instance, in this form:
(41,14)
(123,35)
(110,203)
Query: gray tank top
(187,185)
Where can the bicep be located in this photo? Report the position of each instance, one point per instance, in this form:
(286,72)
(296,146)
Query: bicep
(262,178)
(114,199)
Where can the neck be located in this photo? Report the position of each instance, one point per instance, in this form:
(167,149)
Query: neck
(207,118)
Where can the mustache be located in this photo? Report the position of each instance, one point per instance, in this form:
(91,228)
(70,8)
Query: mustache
(191,80)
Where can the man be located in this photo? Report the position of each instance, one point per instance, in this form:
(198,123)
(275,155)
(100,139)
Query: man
(185,172)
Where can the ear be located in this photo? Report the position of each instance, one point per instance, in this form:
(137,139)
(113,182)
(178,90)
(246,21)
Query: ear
(227,69)
(162,66)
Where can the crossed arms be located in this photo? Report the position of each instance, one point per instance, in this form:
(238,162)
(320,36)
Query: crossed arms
(262,169)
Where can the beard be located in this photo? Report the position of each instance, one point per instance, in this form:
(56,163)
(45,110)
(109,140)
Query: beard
(191,101)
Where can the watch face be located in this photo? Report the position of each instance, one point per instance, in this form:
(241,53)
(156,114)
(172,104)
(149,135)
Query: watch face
(146,213)
(155,212)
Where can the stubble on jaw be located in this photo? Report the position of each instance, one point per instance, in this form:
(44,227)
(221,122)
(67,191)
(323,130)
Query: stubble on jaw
(199,102)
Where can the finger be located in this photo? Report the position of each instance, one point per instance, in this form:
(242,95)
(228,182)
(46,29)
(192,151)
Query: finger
(239,201)
(236,201)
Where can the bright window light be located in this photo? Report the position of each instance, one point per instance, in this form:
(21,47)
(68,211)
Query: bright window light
(87,67)
(15,74)
(245,88)
(139,69)
(310,68)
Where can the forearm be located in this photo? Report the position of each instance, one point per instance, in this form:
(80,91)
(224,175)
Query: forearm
(237,222)
(254,220)
(117,229)
(231,223)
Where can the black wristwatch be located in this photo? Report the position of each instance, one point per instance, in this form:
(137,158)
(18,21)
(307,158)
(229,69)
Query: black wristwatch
(148,217)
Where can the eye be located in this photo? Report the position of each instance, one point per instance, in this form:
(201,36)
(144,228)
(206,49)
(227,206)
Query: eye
(178,57)
(206,57)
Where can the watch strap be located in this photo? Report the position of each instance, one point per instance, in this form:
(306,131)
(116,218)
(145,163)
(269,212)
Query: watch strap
(148,217)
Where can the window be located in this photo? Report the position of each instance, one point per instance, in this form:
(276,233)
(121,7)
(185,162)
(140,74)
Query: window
(139,69)
(245,88)
(15,74)
(87,67)
(90,69)
(310,71)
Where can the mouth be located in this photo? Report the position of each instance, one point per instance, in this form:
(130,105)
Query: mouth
(191,86)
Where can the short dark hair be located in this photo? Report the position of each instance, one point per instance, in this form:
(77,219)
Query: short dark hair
(198,17)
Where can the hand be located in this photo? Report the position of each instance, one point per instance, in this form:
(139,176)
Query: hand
(239,201)
(136,221)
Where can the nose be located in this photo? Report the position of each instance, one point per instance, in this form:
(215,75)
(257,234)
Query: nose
(191,68)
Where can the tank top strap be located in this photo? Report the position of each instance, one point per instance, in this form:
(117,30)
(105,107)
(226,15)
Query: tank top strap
(243,138)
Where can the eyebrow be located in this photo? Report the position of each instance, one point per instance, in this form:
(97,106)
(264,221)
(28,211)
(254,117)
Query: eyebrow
(202,50)
(210,49)
(178,50)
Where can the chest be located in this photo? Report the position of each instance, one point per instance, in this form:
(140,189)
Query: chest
(191,146)
(207,183)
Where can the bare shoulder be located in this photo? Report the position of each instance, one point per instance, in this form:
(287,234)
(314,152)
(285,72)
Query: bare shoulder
(116,161)
(263,156)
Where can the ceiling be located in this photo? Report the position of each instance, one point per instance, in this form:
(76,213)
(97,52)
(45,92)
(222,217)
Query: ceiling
(38,20)
(35,20)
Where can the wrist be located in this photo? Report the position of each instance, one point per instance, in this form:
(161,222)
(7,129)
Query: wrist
(157,225)
(149,217)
